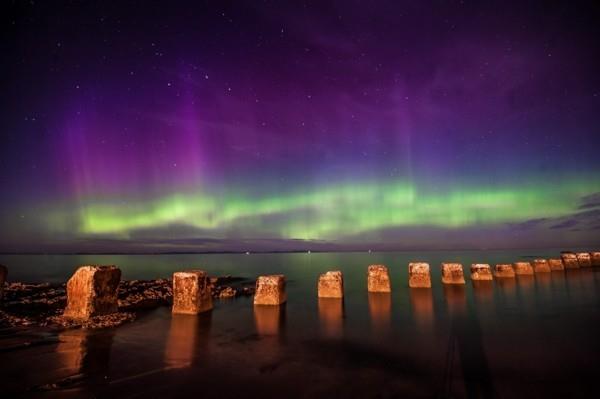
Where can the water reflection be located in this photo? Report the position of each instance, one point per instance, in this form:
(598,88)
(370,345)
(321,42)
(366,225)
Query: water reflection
(270,324)
(331,315)
(507,287)
(483,291)
(186,334)
(86,353)
(543,287)
(580,284)
(525,282)
(380,308)
(455,298)
(269,320)
(526,289)
(422,305)
(466,340)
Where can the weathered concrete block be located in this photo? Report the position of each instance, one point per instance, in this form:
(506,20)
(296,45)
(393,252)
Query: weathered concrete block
(504,271)
(523,268)
(541,266)
(569,260)
(452,273)
(191,292)
(270,290)
(556,265)
(92,291)
(378,279)
(584,259)
(3,275)
(595,258)
(481,271)
(331,285)
(418,275)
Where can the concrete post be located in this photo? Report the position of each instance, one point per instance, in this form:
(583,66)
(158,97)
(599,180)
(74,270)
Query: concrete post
(541,266)
(92,291)
(418,275)
(569,260)
(584,259)
(331,285)
(452,273)
(191,292)
(504,270)
(378,279)
(556,265)
(523,269)
(481,271)
(270,290)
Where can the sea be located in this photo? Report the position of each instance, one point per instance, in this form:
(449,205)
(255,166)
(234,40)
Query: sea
(532,336)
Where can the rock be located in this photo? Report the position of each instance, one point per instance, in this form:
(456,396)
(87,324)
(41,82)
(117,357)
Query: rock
(556,265)
(93,322)
(144,294)
(523,268)
(481,271)
(191,292)
(378,279)
(331,285)
(504,271)
(595,258)
(92,291)
(452,273)
(3,275)
(227,292)
(270,290)
(541,266)
(418,275)
(584,259)
(569,260)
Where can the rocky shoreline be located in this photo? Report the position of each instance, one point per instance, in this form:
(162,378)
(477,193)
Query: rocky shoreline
(42,305)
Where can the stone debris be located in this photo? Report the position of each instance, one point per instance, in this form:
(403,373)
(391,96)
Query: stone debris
(270,290)
(556,265)
(93,322)
(331,285)
(227,292)
(452,273)
(378,279)
(3,275)
(481,272)
(595,258)
(191,292)
(144,294)
(569,260)
(523,268)
(541,266)
(92,291)
(584,259)
(418,275)
(504,271)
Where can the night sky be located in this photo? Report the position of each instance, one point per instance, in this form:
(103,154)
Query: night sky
(217,126)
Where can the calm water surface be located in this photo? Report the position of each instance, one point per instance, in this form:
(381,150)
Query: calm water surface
(528,337)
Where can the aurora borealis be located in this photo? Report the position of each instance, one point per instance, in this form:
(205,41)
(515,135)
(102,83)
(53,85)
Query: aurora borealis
(294,126)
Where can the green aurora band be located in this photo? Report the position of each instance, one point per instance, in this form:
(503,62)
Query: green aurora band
(334,211)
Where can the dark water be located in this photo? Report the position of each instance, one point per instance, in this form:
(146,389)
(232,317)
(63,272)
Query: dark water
(528,337)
